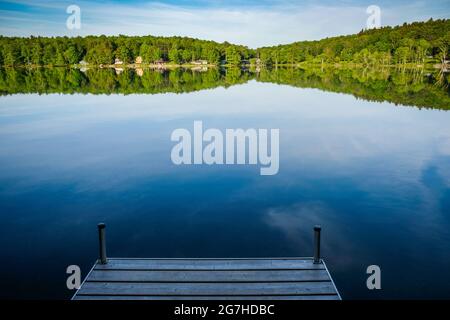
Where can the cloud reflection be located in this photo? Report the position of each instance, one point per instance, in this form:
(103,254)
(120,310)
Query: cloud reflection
(296,222)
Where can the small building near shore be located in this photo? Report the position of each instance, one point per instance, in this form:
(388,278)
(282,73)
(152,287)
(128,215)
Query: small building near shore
(118,61)
(83,66)
(138,60)
(200,62)
(159,62)
(200,68)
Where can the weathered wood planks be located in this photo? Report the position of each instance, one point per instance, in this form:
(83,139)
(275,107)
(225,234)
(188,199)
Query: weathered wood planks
(208,279)
(209,264)
(208,276)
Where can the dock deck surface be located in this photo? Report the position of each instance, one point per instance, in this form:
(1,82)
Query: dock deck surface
(208,279)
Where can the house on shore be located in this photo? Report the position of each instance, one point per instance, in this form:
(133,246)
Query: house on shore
(138,60)
(83,66)
(200,68)
(159,62)
(118,61)
(200,62)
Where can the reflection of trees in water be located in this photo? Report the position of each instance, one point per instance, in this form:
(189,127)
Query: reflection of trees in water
(442,77)
(411,87)
(415,87)
(106,81)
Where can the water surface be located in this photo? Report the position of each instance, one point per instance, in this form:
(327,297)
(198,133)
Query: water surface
(373,170)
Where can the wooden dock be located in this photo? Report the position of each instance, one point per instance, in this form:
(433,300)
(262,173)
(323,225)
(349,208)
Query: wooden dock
(208,279)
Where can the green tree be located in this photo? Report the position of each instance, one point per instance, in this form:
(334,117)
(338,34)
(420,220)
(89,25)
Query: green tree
(213,56)
(346,54)
(124,53)
(99,51)
(232,56)
(36,54)
(10,54)
(174,56)
(402,54)
(422,50)
(49,54)
(186,55)
(71,55)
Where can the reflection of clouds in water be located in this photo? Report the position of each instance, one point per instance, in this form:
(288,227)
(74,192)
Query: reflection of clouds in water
(61,114)
(434,187)
(444,146)
(296,222)
(433,182)
(110,141)
(423,207)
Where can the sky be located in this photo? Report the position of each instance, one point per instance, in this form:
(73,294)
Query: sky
(252,23)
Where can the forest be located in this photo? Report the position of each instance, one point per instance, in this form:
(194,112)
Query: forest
(414,43)
(103,50)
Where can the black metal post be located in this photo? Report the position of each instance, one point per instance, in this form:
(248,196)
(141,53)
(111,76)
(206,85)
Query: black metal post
(317,230)
(102,243)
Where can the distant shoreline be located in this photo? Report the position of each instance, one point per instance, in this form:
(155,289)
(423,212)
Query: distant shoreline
(414,45)
(170,66)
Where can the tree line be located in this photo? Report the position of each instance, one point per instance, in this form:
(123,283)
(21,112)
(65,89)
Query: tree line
(417,43)
(97,50)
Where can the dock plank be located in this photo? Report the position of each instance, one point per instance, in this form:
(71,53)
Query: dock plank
(202,289)
(290,297)
(208,276)
(208,279)
(208,264)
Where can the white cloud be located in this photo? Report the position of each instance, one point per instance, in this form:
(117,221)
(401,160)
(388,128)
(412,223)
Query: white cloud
(249,25)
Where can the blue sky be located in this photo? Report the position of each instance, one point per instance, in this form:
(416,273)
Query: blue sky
(252,23)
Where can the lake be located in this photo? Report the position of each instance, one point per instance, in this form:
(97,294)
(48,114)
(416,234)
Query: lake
(365,154)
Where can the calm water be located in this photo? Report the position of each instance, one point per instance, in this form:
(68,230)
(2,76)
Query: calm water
(376,176)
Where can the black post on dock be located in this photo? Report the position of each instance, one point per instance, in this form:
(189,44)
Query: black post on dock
(102,243)
(317,230)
